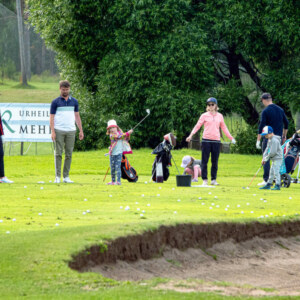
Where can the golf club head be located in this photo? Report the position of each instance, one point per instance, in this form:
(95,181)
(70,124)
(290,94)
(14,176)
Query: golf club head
(148,111)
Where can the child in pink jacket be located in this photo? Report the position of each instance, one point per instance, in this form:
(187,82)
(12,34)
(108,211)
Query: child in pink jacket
(212,122)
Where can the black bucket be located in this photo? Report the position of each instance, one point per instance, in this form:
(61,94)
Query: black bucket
(183,180)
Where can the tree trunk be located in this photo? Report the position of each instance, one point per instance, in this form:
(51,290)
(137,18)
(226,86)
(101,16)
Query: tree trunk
(21,42)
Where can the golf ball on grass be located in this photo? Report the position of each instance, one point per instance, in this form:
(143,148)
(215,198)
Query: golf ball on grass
(14,220)
(148,204)
(121,207)
(56,224)
(1,221)
(141,215)
(28,198)
(40,214)
(7,232)
(84,213)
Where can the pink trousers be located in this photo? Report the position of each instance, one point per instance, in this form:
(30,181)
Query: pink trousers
(195,173)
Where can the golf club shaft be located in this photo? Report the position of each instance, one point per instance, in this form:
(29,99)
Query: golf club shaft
(255,175)
(106,174)
(175,165)
(140,122)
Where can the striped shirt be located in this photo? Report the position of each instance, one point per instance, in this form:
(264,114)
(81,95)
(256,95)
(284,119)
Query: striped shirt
(64,111)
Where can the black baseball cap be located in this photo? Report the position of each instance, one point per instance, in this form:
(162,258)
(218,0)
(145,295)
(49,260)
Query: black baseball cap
(266,96)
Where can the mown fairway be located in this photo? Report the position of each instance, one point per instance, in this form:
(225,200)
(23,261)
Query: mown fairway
(43,224)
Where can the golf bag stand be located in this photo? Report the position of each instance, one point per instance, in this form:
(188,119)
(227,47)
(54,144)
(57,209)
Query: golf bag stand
(160,167)
(128,172)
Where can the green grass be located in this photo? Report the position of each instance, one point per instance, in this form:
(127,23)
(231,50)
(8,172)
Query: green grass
(38,91)
(35,253)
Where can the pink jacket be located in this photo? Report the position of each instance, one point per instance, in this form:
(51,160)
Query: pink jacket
(212,124)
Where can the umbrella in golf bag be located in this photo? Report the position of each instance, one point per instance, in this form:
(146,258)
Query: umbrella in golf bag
(291,149)
(128,172)
(160,167)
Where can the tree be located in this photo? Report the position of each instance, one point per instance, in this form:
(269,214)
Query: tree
(125,56)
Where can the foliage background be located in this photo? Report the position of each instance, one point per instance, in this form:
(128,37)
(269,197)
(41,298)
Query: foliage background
(170,56)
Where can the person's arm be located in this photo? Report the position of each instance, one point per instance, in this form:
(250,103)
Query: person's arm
(79,125)
(53,135)
(225,129)
(285,127)
(196,128)
(262,124)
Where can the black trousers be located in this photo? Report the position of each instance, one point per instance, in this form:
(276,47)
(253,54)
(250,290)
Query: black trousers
(213,148)
(1,159)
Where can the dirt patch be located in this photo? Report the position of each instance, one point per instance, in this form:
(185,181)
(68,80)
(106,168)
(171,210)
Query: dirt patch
(260,256)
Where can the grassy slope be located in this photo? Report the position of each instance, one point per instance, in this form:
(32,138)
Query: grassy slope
(35,252)
(37,92)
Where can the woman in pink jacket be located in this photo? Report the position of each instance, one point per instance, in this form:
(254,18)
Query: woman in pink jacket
(212,122)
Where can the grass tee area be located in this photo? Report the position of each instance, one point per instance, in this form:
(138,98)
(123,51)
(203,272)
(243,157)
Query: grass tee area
(43,224)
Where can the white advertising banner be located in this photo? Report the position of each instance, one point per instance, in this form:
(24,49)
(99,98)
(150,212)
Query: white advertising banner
(26,122)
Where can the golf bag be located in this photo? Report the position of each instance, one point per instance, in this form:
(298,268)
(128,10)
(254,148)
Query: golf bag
(128,172)
(160,167)
(291,150)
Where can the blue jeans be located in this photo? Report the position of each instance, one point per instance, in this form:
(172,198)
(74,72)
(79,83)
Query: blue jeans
(115,167)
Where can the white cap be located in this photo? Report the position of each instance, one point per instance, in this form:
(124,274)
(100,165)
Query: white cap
(111,123)
(185,161)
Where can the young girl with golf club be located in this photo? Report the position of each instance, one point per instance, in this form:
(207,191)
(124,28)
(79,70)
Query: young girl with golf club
(212,122)
(119,146)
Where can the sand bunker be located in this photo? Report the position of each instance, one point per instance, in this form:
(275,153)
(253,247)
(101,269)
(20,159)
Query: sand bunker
(258,263)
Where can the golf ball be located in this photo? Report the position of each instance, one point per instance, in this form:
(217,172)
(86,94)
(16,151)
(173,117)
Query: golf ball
(175,212)
(228,205)
(121,207)
(143,211)
(217,205)
(14,220)
(136,203)
(56,224)
(42,188)
(1,221)
(248,203)
(247,188)
(148,204)
(50,180)
(88,211)
(271,214)
(265,200)
(238,205)
(199,198)
(266,216)
(251,211)
(254,194)
(40,214)
(110,195)
(226,208)
(203,203)
(138,209)
(127,208)
(28,198)
(141,215)
(143,195)
(7,232)
(146,182)
(84,213)
(158,195)
(178,200)
(25,187)
(212,204)
(210,208)
(290,198)
(209,193)
(85,200)
(216,197)
(159,188)
(242,212)
(173,189)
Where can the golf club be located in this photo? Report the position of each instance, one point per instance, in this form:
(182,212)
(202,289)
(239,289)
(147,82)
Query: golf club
(106,174)
(253,177)
(148,113)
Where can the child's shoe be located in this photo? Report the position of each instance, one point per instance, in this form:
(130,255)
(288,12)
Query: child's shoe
(194,180)
(266,187)
(214,182)
(118,183)
(276,188)
(111,183)
(205,183)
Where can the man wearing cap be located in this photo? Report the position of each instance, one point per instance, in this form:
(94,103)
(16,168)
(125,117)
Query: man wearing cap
(273,116)
(272,152)
(64,113)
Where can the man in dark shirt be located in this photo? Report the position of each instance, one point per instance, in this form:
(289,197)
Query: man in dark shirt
(273,116)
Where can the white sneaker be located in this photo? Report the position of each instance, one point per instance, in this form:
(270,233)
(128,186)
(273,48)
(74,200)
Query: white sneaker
(57,180)
(262,183)
(68,180)
(5,180)
(214,182)
(205,182)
